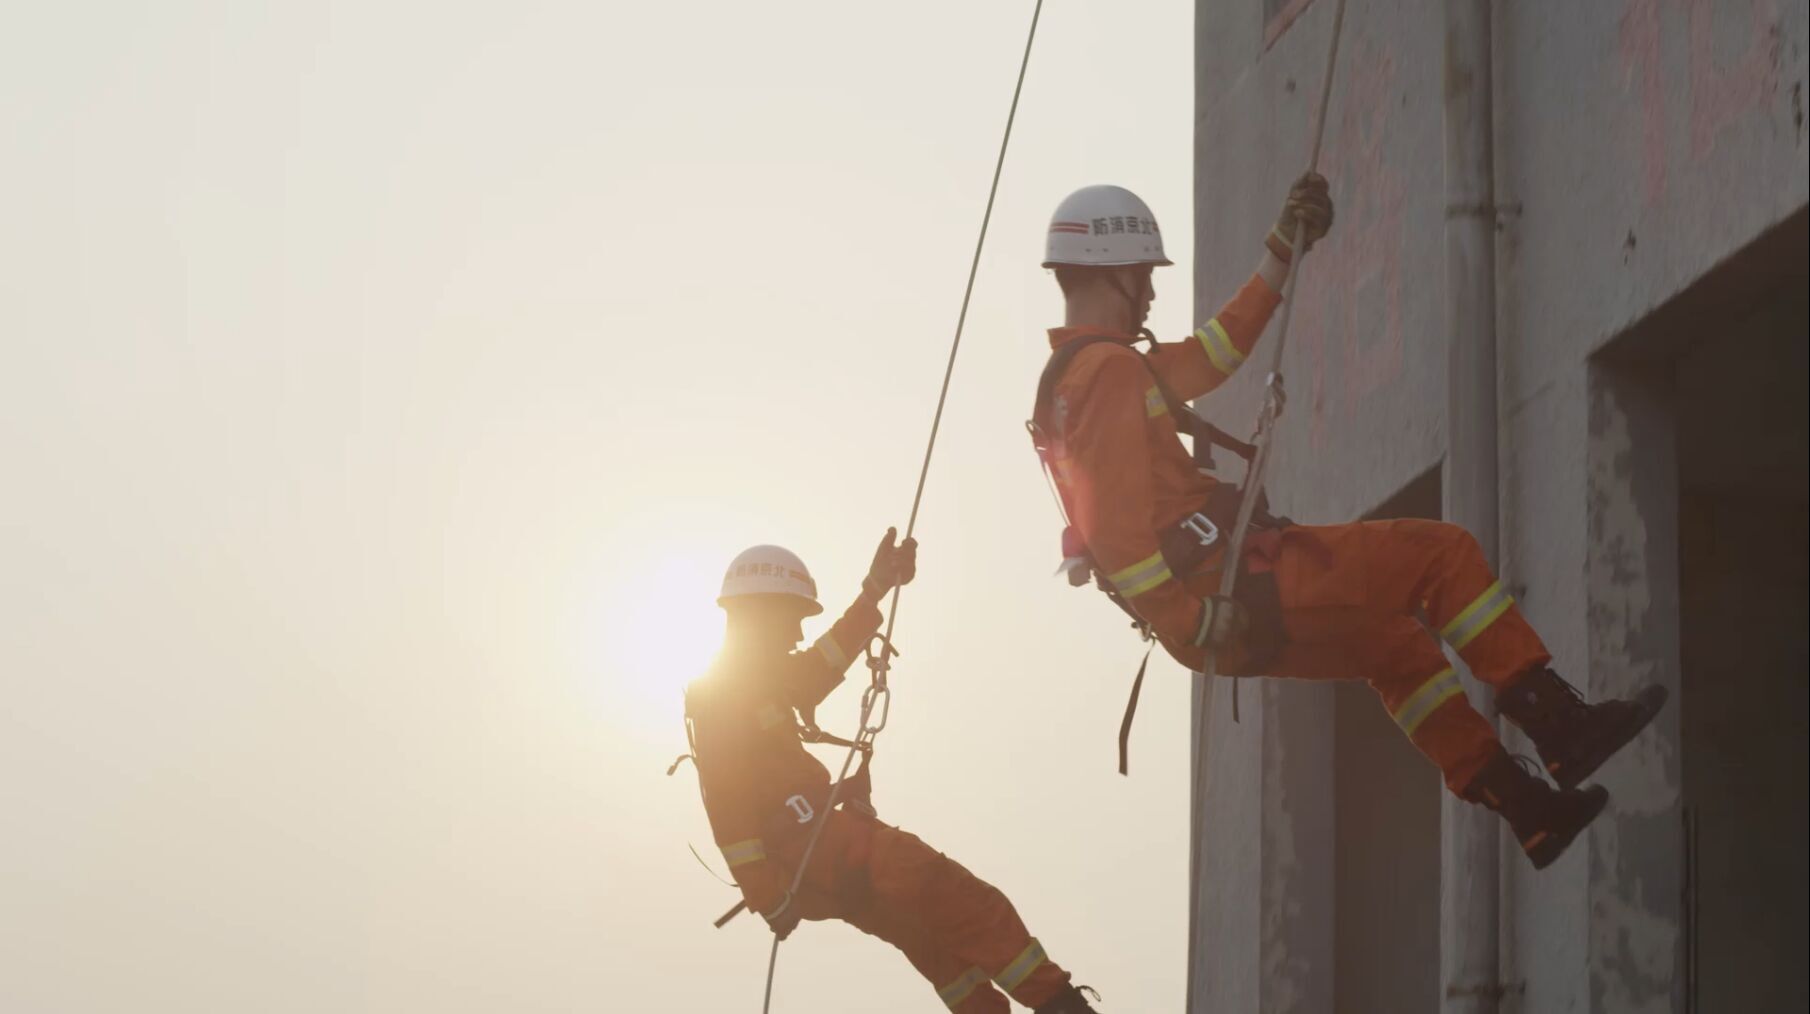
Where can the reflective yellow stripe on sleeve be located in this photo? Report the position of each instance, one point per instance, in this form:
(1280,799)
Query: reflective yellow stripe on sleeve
(1476,617)
(1220,350)
(1423,702)
(953,994)
(832,653)
(1021,967)
(741,853)
(1141,576)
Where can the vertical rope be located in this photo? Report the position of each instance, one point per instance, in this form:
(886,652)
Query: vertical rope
(878,687)
(1247,502)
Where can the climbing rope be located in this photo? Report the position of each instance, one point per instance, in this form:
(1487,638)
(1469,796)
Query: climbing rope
(878,695)
(1273,398)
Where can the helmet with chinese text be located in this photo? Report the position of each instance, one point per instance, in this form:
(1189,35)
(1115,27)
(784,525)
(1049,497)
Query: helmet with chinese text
(767,571)
(1103,226)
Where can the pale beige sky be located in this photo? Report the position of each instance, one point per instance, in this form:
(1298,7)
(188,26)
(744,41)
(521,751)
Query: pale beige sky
(385,385)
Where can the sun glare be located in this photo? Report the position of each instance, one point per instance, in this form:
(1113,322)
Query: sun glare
(661,632)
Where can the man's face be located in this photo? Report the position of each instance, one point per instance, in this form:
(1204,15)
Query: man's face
(1142,285)
(771,622)
(788,626)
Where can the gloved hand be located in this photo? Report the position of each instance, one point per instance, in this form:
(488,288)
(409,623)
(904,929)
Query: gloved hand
(1223,623)
(784,919)
(1309,204)
(893,565)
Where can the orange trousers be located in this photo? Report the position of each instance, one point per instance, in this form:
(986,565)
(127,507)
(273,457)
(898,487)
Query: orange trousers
(956,929)
(1372,600)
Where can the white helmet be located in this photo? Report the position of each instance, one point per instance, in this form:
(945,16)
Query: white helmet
(1103,226)
(769,570)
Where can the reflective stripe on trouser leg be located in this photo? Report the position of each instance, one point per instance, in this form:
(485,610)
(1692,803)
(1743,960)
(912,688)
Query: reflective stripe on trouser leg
(1027,961)
(1442,687)
(956,992)
(741,853)
(1494,638)
(1475,618)
(1141,576)
(1438,719)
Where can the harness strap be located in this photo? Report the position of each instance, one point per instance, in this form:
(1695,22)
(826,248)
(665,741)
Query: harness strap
(1131,710)
(809,732)
(857,789)
(1196,426)
(857,794)
(1184,546)
(1186,419)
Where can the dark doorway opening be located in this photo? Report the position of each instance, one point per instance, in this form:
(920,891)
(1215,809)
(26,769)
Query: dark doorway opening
(1742,449)
(1386,820)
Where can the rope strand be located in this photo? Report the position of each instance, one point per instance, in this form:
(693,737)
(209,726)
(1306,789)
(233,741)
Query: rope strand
(877,690)
(1247,501)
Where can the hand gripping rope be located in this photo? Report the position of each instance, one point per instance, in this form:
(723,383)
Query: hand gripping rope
(1273,397)
(877,700)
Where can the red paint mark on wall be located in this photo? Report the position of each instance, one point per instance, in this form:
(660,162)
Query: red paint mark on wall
(1718,95)
(1640,65)
(1349,312)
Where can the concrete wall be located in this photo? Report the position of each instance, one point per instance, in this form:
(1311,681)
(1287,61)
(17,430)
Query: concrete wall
(1366,354)
(1633,866)
(1640,144)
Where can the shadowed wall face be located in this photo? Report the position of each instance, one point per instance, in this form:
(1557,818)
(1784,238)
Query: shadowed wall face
(1743,509)
(1387,802)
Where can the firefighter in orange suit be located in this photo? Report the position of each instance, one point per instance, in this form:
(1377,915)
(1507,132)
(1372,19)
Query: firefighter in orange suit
(763,790)
(1313,601)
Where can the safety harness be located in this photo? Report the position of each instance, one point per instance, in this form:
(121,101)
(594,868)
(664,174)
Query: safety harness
(856,795)
(1187,546)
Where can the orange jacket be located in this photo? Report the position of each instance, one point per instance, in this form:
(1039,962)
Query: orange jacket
(745,743)
(1120,466)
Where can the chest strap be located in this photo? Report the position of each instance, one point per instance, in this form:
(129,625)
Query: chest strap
(1043,433)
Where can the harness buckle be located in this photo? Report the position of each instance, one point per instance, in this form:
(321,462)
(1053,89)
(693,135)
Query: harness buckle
(1202,527)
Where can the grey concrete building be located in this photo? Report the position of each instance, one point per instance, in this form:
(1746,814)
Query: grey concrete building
(1636,170)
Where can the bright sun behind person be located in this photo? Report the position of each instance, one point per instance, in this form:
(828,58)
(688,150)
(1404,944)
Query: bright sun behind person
(664,634)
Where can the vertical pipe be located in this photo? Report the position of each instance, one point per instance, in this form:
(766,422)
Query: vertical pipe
(1469,892)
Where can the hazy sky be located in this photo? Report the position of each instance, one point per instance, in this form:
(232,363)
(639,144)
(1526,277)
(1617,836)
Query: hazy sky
(383,387)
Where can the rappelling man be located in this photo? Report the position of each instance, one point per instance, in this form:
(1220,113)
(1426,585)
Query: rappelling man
(763,791)
(1368,600)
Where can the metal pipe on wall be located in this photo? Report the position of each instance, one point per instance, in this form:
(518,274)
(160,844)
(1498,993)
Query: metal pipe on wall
(1469,836)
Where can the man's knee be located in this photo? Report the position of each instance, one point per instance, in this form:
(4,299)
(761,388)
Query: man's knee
(1451,538)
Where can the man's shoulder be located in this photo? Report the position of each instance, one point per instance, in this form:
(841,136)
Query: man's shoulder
(733,699)
(714,695)
(1102,359)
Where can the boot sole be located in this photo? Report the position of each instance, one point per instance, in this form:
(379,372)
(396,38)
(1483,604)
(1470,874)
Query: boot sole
(1652,701)
(1554,844)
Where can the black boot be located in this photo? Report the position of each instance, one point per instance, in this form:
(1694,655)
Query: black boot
(1070,1001)
(1544,819)
(1574,738)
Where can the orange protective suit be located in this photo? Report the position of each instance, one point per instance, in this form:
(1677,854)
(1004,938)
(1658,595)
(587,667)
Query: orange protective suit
(1351,596)
(762,789)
